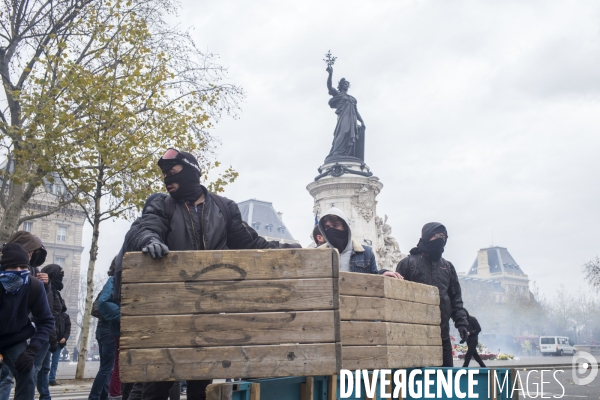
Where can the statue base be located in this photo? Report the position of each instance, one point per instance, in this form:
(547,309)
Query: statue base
(339,167)
(351,187)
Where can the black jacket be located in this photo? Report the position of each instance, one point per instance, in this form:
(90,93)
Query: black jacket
(63,321)
(178,233)
(419,268)
(474,329)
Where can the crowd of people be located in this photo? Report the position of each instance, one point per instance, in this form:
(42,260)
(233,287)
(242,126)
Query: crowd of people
(35,325)
(189,217)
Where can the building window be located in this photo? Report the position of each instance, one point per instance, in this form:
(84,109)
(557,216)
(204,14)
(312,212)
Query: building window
(60,261)
(58,189)
(281,230)
(256,225)
(28,226)
(61,234)
(269,227)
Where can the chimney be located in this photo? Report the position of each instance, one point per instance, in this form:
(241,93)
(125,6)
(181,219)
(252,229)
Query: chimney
(280,215)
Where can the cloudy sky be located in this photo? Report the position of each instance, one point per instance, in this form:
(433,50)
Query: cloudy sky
(482,115)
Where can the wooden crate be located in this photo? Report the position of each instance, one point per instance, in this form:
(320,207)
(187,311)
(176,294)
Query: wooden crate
(388,323)
(229,314)
(268,313)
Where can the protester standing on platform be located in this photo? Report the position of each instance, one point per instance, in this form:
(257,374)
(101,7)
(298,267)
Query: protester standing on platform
(190,218)
(354,257)
(426,265)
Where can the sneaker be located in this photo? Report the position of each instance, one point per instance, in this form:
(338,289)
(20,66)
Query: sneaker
(53,383)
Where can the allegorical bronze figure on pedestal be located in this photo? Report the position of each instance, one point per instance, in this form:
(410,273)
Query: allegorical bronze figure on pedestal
(348,137)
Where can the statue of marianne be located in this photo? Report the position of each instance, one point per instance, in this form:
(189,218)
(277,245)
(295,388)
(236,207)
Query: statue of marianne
(348,137)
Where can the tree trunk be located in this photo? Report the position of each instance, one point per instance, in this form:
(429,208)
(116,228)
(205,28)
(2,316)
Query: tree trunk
(16,202)
(89,298)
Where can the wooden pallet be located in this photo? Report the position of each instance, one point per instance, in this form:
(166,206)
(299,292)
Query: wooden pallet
(268,313)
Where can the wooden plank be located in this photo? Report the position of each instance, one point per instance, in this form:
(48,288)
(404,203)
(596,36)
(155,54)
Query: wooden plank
(307,389)
(149,365)
(370,285)
(354,308)
(213,391)
(224,265)
(378,357)
(332,387)
(358,333)
(157,331)
(226,296)
(255,391)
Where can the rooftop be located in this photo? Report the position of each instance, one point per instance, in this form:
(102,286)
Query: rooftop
(499,260)
(261,215)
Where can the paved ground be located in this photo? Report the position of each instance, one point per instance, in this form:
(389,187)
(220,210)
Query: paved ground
(66,370)
(558,360)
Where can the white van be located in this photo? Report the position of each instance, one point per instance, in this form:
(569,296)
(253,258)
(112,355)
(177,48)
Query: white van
(556,345)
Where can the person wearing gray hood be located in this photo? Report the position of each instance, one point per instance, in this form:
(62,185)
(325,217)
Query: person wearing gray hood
(354,257)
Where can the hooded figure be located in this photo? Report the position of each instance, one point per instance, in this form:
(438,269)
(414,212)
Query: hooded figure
(63,322)
(37,256)
(354,257)
(426,265)
(32,245)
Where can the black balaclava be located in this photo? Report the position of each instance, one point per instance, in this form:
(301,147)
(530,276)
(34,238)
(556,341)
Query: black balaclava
(55,275)
(188,179)
(337,238)
(433,248)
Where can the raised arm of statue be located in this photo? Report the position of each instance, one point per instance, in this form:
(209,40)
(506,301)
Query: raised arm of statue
(330,88)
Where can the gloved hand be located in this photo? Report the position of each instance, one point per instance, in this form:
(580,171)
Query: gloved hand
(24,362)
(156,249)
(464,333)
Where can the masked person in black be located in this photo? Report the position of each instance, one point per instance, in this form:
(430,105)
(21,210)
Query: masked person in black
(190,218)
(47,374)
(426,265)
(472,342)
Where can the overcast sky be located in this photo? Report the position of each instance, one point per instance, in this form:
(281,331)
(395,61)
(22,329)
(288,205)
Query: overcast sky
(482,115)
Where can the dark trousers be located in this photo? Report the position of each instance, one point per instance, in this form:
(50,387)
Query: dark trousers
(472,352)
(196,390)
(106,346)
(25,387)
(43,376)
(132,391)
(447,353)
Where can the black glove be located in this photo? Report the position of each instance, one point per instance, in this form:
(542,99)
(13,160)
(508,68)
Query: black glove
(464,333)
(156,249)
(24,362)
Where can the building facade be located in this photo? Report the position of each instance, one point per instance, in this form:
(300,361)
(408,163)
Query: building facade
(496,272)
(61,233)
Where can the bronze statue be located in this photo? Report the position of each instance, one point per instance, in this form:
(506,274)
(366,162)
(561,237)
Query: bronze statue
(348,137)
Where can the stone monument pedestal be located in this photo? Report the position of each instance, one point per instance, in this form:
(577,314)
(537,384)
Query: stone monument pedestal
(351,187)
